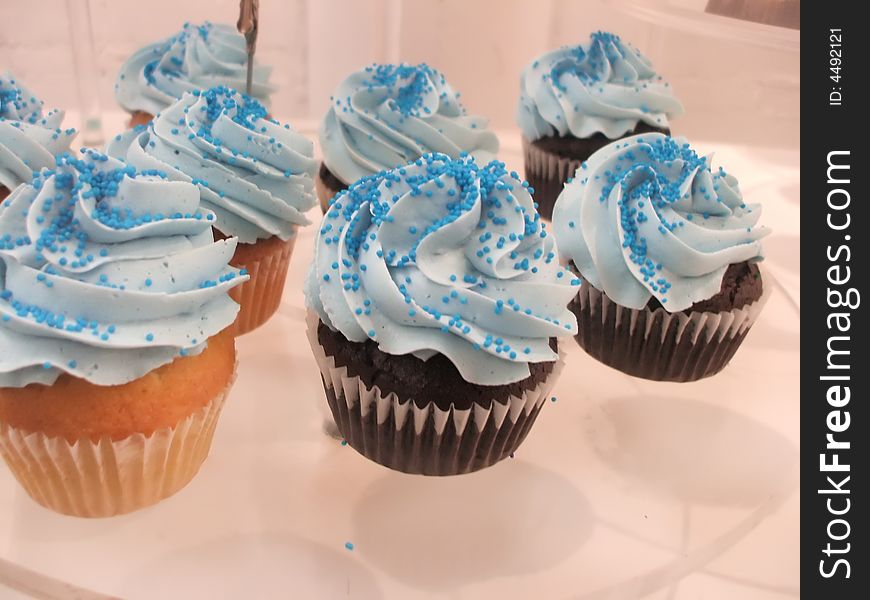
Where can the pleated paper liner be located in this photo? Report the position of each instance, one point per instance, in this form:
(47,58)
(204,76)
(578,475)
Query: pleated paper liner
(267,262)
(108,478)
(657,345)
(427,440)
(324,193)
(547,174)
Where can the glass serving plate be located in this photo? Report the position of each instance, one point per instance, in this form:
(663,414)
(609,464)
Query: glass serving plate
(624,488)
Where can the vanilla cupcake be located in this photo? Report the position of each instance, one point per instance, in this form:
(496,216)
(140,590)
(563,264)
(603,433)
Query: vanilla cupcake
(254,173)
(114,298)
(577,99)
(383,116)
(29,138)
(668,252)
(436,302)
(198,57)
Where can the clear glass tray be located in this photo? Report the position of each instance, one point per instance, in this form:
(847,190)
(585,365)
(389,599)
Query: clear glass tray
(624,488)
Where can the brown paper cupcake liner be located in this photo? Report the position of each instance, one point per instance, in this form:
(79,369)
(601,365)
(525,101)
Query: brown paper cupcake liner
(657,345)
(108,478)
(260,296)
(425,440)
(547,174)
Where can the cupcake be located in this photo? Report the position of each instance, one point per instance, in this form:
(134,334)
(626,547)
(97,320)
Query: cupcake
(667,251)
(577,99)
(118,316)
(29,139)
(387,115)
(435,303)
(255,174)
(198,57)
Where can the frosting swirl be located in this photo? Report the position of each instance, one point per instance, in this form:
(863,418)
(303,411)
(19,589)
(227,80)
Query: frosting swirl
(29,139)
(386,115)
(255,174)
(198,57)
(93,286)
(443,256)
(604,86)
(647,217)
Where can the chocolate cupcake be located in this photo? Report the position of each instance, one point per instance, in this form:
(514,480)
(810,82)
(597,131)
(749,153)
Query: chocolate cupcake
(667,251)
(29,138)
(436,300)
(577,99)
(254,173)
(196,58)
(387,115)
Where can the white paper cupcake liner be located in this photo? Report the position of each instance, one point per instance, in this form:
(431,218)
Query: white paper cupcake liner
(656,344)
(108,478)
(260,296)
(425,440)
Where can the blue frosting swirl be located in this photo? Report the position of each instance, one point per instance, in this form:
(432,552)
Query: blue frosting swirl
(29,139)
(198,57)
(646,216)
(255,174)
(386,115)
(443,256)
(604,86)
(94,286)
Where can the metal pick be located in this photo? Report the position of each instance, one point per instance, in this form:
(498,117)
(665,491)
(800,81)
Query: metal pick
(249,13)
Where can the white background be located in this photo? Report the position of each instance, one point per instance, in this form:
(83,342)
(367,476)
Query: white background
(734,91)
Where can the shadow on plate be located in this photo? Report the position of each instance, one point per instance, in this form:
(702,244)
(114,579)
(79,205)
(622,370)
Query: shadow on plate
(672,572)
(267,565)
(439,534)
(692,451)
